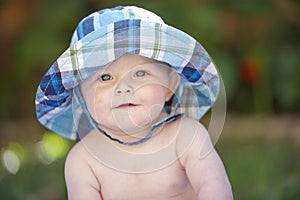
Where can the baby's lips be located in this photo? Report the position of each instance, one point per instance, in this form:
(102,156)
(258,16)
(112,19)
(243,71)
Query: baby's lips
(127,105)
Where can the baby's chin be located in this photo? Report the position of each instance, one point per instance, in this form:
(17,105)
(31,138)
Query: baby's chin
(127,128)
(131,123)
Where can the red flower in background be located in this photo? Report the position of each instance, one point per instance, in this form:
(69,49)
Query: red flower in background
(250,71)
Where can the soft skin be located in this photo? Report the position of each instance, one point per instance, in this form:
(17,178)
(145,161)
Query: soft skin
(129,94)
(129,89)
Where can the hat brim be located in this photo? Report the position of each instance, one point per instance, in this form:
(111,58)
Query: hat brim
(200,81)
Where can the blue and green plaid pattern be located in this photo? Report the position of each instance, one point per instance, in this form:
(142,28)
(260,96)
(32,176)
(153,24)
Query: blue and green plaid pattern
(108,34)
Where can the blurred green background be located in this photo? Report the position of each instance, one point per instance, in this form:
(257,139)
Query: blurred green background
(254,43)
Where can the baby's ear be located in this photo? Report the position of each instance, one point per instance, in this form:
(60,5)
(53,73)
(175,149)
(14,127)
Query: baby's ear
(173,84)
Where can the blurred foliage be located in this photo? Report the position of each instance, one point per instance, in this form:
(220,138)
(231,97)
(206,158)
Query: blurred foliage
(262,169)
(34,170)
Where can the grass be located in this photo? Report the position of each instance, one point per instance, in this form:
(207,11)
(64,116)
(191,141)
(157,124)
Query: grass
(261,169)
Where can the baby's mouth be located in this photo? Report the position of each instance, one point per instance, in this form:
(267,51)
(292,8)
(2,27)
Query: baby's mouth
(127,105)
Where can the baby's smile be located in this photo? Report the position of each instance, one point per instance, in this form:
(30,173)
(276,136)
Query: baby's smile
(127,105)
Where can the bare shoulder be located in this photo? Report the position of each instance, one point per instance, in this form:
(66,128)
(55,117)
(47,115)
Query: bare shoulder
(192,137)
(79,175)
(202,163)
(80,151)
(77,153)
(79,157)
(76,159)
(192,126)
(196,140)
(199,150)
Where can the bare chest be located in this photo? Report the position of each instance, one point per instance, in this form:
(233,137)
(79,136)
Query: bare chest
(168,183)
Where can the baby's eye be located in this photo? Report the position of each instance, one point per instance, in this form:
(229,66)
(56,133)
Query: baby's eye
(140,73)
(106,77)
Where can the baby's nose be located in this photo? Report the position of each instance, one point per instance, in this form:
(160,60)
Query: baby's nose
(123,88)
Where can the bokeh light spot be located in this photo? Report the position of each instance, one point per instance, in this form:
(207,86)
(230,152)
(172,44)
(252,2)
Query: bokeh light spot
(51,148)
(10,161)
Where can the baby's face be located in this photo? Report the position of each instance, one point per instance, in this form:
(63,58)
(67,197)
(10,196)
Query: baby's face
(128,94)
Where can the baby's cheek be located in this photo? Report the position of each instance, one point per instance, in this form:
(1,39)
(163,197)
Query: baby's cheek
(158,95)
(100,109)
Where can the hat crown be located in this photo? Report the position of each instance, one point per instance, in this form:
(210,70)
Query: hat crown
(109,16)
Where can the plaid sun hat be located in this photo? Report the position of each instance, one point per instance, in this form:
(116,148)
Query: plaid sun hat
(104,36)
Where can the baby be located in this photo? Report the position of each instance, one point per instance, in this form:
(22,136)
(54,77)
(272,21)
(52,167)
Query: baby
(131,90)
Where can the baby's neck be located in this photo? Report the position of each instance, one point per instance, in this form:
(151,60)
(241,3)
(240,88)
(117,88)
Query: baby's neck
(133,135)
(126,135)
(155,143)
